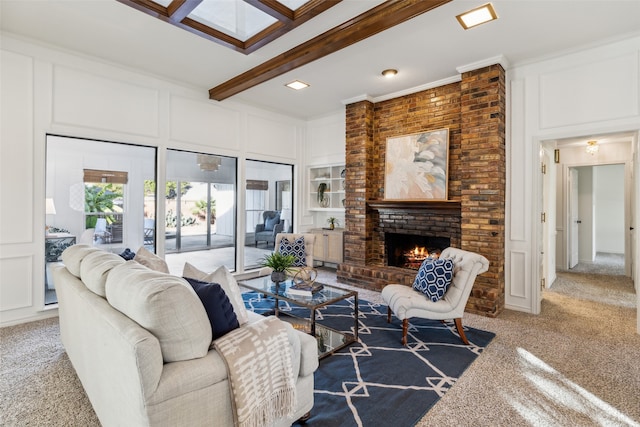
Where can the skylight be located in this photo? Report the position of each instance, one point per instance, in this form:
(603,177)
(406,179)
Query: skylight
(233,17)
(243,25)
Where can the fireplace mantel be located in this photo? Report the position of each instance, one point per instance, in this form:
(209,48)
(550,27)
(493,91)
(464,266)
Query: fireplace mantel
(450,206)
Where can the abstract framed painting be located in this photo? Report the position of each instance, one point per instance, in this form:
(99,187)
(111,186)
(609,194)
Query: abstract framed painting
(416,166)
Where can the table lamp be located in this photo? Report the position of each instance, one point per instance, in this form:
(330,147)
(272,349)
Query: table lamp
(50,209)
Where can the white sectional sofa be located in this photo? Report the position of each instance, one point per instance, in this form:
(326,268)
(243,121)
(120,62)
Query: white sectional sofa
(164,374)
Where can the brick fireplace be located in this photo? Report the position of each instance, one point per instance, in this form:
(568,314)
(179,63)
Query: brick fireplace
(473,216)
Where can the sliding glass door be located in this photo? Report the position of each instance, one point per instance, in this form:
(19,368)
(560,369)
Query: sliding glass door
(98,193)
(200,211)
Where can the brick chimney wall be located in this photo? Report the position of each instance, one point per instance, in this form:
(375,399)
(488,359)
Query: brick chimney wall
(474,112)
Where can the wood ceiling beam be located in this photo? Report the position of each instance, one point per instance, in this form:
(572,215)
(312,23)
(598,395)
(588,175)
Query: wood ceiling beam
(302,15)
(179,9)
(378,19)
(273,8)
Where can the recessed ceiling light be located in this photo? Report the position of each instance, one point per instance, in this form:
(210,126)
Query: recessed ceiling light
(477,16)
(297,85)
(388,73)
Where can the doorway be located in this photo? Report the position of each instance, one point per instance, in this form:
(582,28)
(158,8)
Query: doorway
(596,220)
(593,207)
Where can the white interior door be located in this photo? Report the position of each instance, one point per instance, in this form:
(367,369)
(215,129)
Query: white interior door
(574,220)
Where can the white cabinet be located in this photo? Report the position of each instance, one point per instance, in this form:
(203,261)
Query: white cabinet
(328,245)
(326,188)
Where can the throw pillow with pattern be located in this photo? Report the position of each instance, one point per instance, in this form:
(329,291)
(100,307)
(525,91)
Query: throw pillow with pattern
(295,248)
(434,278)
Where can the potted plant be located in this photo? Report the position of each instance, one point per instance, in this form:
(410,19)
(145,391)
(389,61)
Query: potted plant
(332,222)
(280,264)
(322,200)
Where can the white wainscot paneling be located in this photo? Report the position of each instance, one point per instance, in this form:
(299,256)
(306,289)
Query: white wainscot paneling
(601,90)
(519,292)
(518,164)
(203,123)
(16,148)
(326,139)
(15,283)
(271,137)
(92,101)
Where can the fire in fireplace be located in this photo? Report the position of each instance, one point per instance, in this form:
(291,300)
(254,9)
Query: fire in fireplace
(409,250)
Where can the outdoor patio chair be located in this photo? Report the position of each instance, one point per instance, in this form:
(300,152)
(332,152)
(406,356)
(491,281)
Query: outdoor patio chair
(149,231)
(101,234)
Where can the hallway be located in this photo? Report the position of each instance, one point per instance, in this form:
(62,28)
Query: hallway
(602,281)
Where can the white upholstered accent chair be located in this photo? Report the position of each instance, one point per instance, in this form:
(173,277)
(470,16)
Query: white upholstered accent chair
(309,240)
(405,302)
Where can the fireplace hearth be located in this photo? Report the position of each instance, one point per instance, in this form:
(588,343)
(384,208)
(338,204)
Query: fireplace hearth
(410,250)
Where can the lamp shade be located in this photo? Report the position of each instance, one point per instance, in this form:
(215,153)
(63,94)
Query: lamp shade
(50,207)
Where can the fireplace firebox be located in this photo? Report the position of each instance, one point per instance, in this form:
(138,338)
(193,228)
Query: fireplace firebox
(410,250)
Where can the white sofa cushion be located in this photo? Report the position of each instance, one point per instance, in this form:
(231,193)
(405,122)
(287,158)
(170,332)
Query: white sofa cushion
(73,256)
(223,277)
(165,305)
(95,268)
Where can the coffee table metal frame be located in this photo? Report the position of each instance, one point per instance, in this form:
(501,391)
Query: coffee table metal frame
(328,295)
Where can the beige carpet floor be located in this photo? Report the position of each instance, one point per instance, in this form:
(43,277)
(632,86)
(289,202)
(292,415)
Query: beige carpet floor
(576,364)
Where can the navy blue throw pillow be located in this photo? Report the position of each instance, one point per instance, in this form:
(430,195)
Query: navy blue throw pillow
(295,248)
(128,254)
(434,277)
(217,305)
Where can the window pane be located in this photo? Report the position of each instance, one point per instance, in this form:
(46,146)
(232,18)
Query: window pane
(268,192)
(99,190)
(104,211)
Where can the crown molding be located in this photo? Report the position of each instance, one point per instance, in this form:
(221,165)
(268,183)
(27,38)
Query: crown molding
(398,94)
(426,86)
(359,98)
(499,59)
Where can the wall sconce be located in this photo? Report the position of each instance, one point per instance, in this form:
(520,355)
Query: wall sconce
(592,147)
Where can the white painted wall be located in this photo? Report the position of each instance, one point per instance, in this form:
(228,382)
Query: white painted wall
(609,192)
(325,145)
(45,90)
(589,92)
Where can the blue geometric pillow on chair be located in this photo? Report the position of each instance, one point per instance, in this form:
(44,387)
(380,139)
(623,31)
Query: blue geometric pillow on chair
(434,277)
(296,249)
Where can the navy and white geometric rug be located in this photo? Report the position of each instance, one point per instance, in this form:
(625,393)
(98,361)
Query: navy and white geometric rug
(377,381)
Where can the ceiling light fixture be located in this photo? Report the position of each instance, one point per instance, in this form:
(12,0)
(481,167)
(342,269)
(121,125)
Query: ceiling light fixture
(208,163)
(592,147)
(389,73)
(477,16)
(297,85)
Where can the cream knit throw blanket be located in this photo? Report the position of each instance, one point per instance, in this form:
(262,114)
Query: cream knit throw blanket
(258,357)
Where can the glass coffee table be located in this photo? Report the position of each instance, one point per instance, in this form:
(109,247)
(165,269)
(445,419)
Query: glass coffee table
(329,339)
